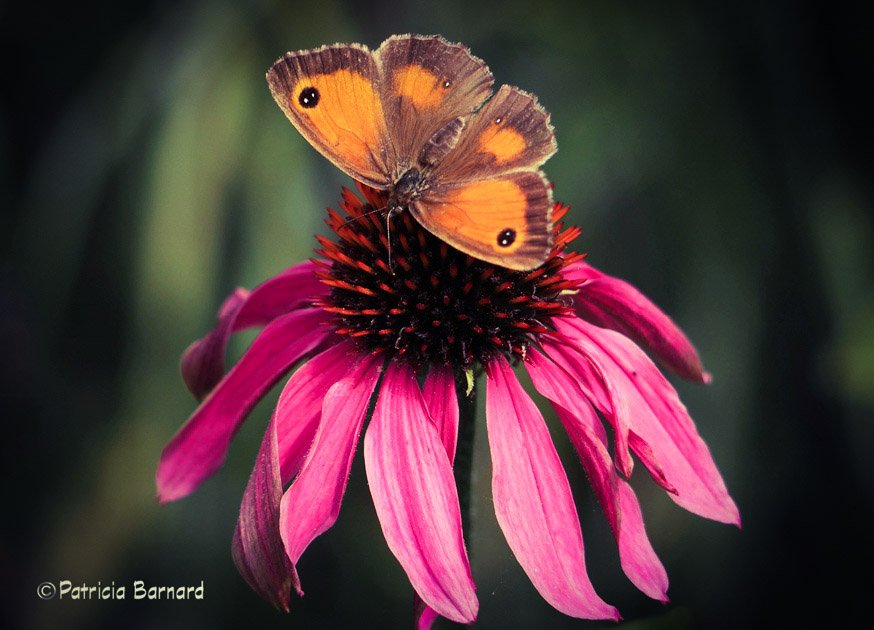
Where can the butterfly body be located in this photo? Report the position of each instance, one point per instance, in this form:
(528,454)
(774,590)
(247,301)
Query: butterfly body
(414,180)
(406,189)
(416,118)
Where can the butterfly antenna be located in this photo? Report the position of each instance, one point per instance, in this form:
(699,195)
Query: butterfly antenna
(360,216)
(388,215)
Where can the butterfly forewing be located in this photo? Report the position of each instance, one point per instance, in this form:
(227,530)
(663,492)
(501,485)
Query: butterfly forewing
(426,83)
(331,96)
(506,219)
(511,132)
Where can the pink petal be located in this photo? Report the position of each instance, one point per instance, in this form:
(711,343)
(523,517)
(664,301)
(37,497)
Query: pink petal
(659,419)
(200,446)
(415,497)
(257,547)
(311,504)
(533,500)
(294,288)
(638,559)
(203,362)
(442,406)
(300,404)
(613,303)
(644,452)
(425,616)
(597,382)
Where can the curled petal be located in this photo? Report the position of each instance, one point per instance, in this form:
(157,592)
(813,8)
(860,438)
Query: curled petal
(311,504)
(202,363)
(425,616)
(644,452)
(638,558)
(613,303)
(659,420)
(597,382)
(200,446)
(442,406)
(415,497)
(257,547)
(533,500)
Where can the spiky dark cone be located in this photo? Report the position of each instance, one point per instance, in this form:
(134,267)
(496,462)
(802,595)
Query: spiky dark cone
(435,304)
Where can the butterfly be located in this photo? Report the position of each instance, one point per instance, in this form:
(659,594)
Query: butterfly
(417,118)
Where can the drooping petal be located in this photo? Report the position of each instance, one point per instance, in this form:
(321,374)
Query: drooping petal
(299,407)
(638,558)
(203,362)
(644,452)
(597,382)
(533,500)
(257,547)
(311,504)
(415,497)
(442,406)
(613,303)
(659,419)
(200,446)
(425,616)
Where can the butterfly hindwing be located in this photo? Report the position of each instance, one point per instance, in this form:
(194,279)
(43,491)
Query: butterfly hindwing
(331,96)
(511,132)
(506,220)
(426,83)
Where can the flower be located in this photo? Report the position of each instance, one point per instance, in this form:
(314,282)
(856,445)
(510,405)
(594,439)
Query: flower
(359,327)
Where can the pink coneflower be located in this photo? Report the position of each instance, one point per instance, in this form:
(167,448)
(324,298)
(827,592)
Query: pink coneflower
(359,328)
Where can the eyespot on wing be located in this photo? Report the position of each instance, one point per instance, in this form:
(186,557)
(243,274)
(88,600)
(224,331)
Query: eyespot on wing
(331,96)
(504,220)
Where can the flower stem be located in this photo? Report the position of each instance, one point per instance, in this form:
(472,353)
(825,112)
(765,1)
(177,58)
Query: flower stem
(464,448)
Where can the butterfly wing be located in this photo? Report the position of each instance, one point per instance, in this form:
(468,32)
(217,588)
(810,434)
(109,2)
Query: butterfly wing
(511,132)
(331,95)
(505,219)
(486,197)
(426,83)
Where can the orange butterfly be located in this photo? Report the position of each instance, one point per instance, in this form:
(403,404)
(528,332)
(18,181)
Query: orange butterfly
(415,119)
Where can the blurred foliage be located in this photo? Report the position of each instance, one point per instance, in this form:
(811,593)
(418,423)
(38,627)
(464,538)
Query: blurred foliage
(717,156)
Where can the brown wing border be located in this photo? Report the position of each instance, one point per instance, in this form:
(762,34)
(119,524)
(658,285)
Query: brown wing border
(281,78)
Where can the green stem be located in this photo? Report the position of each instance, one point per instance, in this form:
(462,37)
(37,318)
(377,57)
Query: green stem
(464,448)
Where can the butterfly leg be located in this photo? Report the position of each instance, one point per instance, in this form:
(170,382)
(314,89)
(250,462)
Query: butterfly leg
(390,211)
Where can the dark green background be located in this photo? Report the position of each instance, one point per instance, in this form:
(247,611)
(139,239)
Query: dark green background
(717,155)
